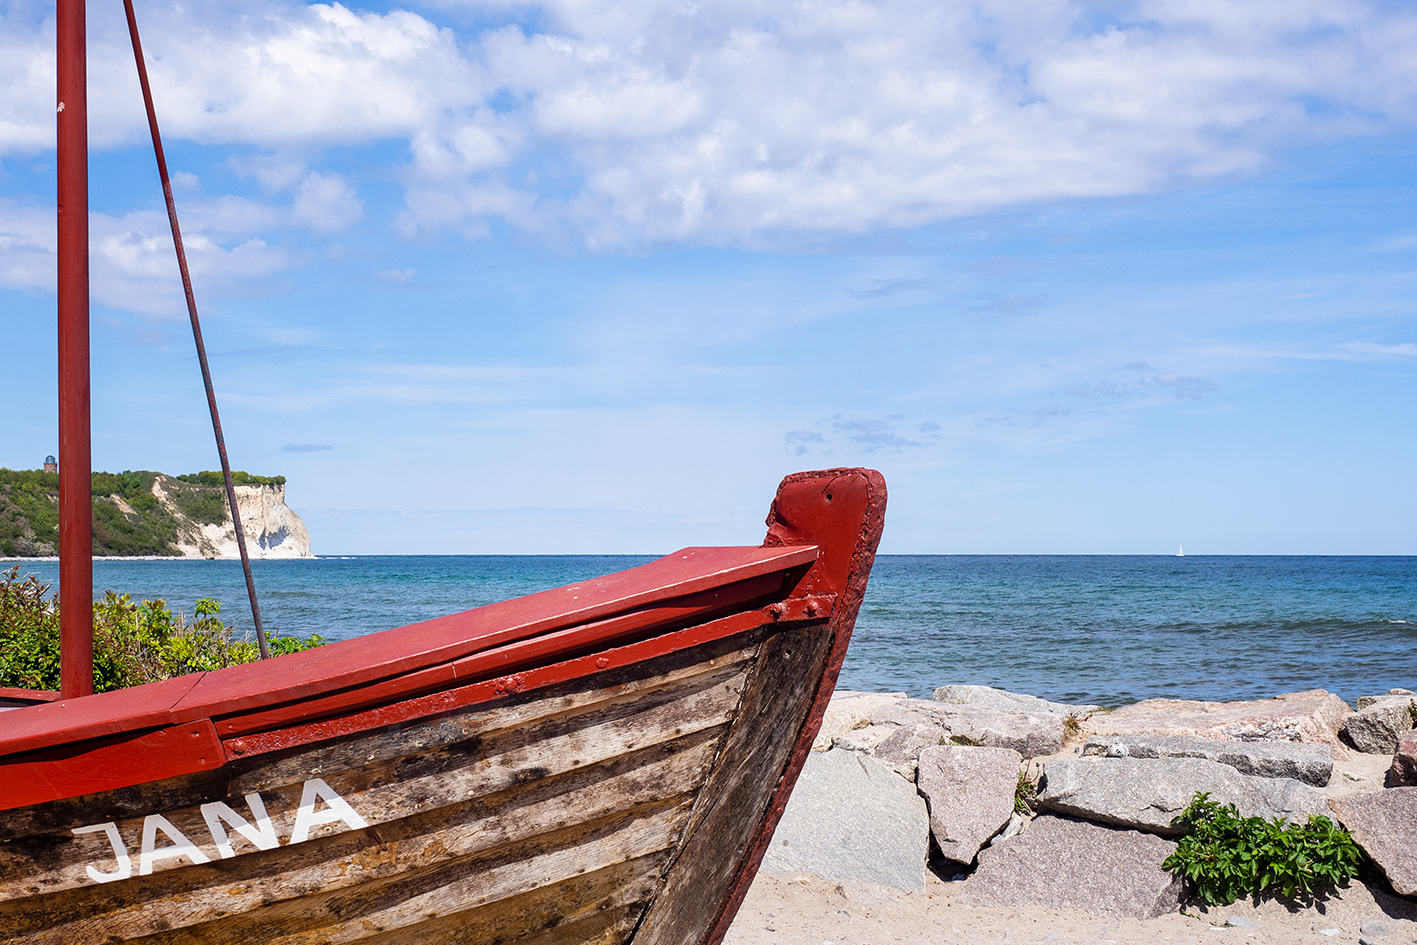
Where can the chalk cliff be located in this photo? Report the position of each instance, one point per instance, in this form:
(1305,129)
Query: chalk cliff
(272,528)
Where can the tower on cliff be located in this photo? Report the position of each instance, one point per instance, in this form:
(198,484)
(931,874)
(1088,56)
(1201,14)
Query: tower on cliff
(51,464)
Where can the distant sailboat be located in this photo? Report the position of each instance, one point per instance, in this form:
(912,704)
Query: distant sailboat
(1180,552)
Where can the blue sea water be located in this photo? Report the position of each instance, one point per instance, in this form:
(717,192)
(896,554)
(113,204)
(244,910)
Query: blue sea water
(1100,629)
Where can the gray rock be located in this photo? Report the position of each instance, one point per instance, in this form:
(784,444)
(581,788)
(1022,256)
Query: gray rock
(1377,928)
(1312,764)
(1376,728)
(1403,772)
(1070,864)
(1384,824)
(1146,793)
(864,721)
(895,746)
(1015,826)
(1311,716)
(852,819)
(1365,701)
(1241,922)
(848,711)
(991,698)
(900,750)
(970,792)
(1028,733)
(864,739)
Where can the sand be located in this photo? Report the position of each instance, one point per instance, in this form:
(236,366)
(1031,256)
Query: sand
(808,910)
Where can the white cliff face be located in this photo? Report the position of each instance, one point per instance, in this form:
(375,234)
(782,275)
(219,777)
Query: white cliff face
(272,528)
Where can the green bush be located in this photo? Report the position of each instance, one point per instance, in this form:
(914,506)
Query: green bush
(207,506)
(1226,856)
(211,477)
(29,633)
(134,642)
(29,512)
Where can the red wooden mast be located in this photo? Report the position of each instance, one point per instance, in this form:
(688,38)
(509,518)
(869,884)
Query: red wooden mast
(75,481)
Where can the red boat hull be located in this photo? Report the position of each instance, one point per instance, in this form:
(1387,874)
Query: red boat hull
(603,762)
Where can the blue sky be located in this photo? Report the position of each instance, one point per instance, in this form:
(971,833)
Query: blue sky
(590,277)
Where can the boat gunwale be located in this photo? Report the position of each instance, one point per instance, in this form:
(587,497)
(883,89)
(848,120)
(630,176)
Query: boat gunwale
(389,654)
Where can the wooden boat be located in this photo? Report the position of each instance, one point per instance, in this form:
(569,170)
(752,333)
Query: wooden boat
(600,763)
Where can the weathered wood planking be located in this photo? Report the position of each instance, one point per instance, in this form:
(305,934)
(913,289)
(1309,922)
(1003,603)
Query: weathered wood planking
(730,807)
(405,900)
(437,796)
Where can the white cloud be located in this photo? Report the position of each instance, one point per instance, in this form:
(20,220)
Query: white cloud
(28,241)
(134,266)
(724,122)
(27,75)
(300,74)
(326,203)
(132,263)
(643,120)
(1368,349)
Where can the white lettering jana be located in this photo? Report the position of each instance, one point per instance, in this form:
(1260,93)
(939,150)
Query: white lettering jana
(263,835)
(338,809)
(181,846)
(219,816)
(120,852)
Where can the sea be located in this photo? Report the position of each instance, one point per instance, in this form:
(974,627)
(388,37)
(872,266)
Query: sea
(1083,629)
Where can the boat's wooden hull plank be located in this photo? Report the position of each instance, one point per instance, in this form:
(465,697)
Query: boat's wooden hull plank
(759,744)
(553,682)
(195,895)
(610,749)
(496,890)
(380,792)
(598,908)
(631,683)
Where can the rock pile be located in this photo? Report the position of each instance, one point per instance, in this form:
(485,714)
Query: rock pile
(1046,804)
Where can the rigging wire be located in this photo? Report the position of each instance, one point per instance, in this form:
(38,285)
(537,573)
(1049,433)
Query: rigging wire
(196,326)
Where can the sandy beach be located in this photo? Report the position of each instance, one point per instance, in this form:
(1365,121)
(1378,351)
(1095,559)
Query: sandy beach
(808,910)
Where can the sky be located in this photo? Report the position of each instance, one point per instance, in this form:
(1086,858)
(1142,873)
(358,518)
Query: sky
(591,277)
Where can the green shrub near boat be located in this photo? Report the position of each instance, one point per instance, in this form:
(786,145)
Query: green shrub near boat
(135,642)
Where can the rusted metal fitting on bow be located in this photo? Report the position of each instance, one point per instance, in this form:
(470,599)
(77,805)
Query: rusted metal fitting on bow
(813,607)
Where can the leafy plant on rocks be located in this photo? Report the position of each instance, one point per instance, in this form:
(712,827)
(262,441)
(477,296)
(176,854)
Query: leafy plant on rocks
(1226,856)
(1026,790)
